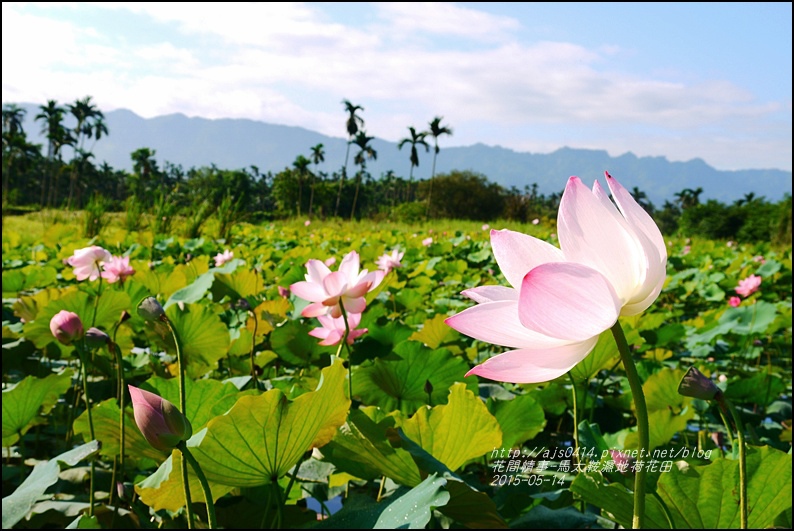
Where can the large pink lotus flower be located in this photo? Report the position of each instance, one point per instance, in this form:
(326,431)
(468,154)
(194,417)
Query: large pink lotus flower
(611,261)
(117,269)
(66,327)
(160,422)
(735,302)
(333,329)
(87,261)
(222,258)
(328,291)
(748,286)
(388,261)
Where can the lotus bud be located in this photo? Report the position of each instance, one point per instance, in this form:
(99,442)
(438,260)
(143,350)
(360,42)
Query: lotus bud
(150,309)
(160,422)
(66,327)
(696,385)
(95,338)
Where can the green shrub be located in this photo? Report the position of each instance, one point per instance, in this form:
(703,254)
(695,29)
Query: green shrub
(95,216)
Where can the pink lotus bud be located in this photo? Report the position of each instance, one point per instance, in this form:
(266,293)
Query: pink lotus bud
(66,327)
(160,422)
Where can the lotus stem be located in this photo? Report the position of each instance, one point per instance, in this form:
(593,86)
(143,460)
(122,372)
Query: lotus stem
(187,456)
(642,422)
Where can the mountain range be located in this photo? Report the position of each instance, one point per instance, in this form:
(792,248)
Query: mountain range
(241,143)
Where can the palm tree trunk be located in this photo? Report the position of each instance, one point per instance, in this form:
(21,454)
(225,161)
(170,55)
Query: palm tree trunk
(311,195)
(355,196)
(342,180)
(430,190)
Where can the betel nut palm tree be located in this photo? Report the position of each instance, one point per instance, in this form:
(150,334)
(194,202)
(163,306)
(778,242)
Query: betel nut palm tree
(436,130)
(353,123)
(414,140)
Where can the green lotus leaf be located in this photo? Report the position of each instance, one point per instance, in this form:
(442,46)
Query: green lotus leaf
(520,419)
(456,432)
(617,501)
(707,497)
(29,398)
(105,416)
(202,335)
(17,505)
(111,304)
(402,384)
(435,332)
(263,436)
(164,489)
(361,448)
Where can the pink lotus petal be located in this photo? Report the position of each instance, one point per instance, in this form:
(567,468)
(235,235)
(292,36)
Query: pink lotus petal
(592,233)
(316,271)
(354,305)
(350,264)
(314,309)
(497,323)
(335,284)
(567,301)
(534,365)
(518,253)
(491,294)
(308,291)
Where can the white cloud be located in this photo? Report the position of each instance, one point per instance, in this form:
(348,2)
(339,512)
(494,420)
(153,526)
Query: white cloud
(290,63)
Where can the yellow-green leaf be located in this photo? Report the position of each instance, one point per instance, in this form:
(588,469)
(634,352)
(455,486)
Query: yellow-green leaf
(456,432)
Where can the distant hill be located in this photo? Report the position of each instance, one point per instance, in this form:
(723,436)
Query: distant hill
(240,143)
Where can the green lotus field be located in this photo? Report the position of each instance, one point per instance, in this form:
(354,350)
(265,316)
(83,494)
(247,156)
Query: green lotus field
(379,426)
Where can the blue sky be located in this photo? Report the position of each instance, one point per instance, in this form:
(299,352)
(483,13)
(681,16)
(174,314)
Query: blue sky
(680,80)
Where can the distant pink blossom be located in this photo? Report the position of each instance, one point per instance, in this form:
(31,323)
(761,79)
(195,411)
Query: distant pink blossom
(730,243)
(117,269)
(535,221)
(333,329)
(748,286)
(686,249)
(307,223)
(735,301)
(88,261)
(329,291)
(387,261)
(427,241)
(759,259)
(222,258)
(486,226)
(283,292)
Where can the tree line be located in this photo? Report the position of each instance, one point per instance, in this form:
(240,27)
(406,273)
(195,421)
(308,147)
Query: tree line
(37,177)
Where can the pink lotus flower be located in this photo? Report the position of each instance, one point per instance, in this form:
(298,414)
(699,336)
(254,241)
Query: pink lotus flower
(87,261)
(117,269)
(735,301)
(748,286)
(612,262)
(427,241)
(307,223)
(160,422)
(535,221)
(222,258)
(759,259)
(486,227)
(387,261)
(66,327)
(333,329)
(329,291)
